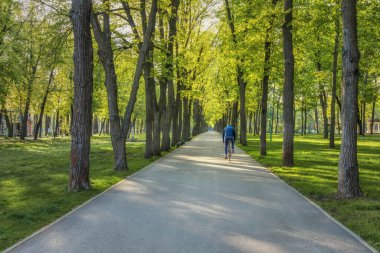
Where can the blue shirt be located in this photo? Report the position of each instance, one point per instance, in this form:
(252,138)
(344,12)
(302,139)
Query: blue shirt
(229,131)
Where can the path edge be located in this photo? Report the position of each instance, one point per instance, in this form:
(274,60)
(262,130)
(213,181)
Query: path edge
(9,249)
(352,233)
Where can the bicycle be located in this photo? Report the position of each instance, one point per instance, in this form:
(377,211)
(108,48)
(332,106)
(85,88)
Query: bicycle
(229,151)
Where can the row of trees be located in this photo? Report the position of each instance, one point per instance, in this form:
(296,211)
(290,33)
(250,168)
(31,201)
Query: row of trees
(311,39)
(177,66)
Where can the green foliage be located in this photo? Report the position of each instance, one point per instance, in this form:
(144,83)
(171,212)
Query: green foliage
(315,175)
(33,181)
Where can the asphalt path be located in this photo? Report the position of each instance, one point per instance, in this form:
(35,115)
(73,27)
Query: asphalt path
(193,200)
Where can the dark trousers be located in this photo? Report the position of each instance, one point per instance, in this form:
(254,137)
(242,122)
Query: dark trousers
(226,139)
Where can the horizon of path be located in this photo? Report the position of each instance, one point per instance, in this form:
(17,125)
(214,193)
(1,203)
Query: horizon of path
(193,200)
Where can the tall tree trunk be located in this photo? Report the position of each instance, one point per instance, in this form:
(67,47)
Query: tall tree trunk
(56,128)
(105,53)
(359,121)
(170,83)
(141,59)
(264,96)
(373,115)
(39,123)
(305,127)
(335,72)
(277,116)
(364,121)
(302,131)
(9,125)
(83,85)
(250,115)
(338,120)
(24,122)
(348,179)
(186,119)
(323,102)
(241,83)
(316,119)
(47,125)
(288,95)
(150,95)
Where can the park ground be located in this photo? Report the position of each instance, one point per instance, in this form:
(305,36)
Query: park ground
(33,180)
(315,175)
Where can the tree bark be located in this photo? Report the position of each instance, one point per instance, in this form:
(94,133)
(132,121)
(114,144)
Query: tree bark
(323,103)
(170,81)
(241,83)
(56,128)
(288,94)
(264,96)
(277,116)
(138,72)
(334,81)
(150,99)
(373,115)
(186,119)
(39,123)
(83,86)
(348,179)
(24,122)
(105,53)
(316,119)
(364,121)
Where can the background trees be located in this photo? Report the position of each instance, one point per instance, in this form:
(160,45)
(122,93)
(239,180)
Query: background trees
(206,64)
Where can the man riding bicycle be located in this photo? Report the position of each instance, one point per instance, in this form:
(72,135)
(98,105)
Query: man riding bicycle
(228,134)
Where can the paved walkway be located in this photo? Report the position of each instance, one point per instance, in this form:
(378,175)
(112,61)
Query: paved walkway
(194,201)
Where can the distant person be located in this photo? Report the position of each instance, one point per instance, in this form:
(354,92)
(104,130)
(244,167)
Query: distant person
(228,134)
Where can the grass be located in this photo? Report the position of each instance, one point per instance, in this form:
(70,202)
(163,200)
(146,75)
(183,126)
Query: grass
(315,175)
(33,181)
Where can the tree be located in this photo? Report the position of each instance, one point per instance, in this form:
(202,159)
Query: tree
(105,53)
(241,83)
(288,94)
(264,97)
(83,85)
(348,179)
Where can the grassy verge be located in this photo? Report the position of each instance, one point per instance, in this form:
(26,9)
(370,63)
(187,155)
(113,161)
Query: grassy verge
(33,181)
(315,175)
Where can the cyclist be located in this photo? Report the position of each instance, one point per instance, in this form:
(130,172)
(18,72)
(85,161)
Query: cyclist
(228,134)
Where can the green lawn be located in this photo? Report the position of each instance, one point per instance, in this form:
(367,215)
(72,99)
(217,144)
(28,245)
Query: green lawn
(315,175)
(33,181)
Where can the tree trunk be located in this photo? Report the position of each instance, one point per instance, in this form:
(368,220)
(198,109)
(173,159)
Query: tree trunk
(250,115)
(186,119)
(165,145)
(83,85)
(56,129)
(338,121)
(139,68)
(105,53)
(305,118)
(364,121)
(39,123)
(348,179)
(47,125)
(302,131)
(359,121)
(150,95)
(277,116)
(264,96)
(335,73)
(24,122)
(373,115)
(288,95)
(316,119)
(9,125)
